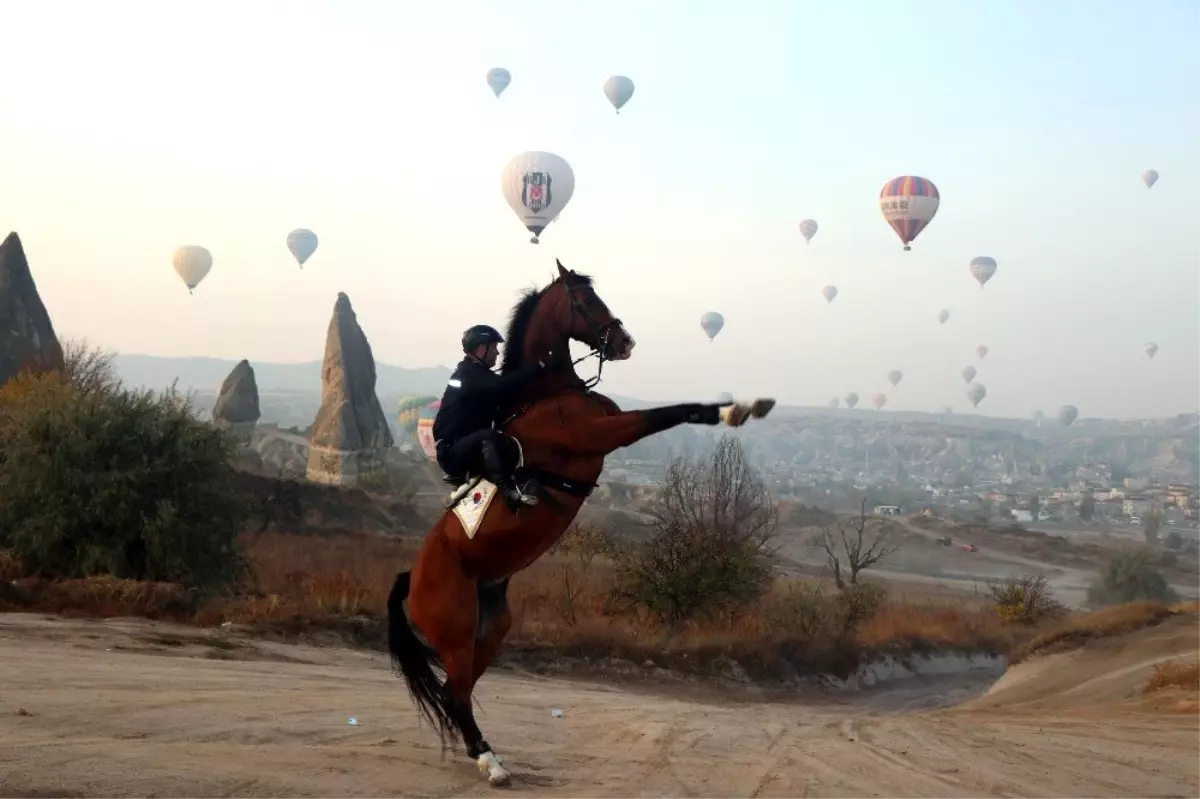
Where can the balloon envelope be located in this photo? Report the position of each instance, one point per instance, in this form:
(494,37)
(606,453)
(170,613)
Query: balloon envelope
(942,316)
(829,292)
(302,243)
(981,350)
(850,399)
(808,229)
(498,78)
(908,204)
(895,376)
(618,89)
(425,429)
(976,393)
(1151,348)
(968,373)
(1067,415)
(833,403)
(192,263)
(1150,177)
(712,322)
(878,400)
(982,269)
(537,186)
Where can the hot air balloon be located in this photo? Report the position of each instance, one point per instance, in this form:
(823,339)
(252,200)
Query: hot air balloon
(425,429)
(833,403)
(618,89)
(1150,348)
(878,400)
(409,411)
(498,78)
(829,292)
(968,373)
(1067,415)
(908,204)
(302,243)
(982,269)
(1150,177)
(537,187)
(981,350)
(851,400)
(942,316)
(724,398)
(808,229)
(192,263)
(712,322)
(976,393)
(895,376)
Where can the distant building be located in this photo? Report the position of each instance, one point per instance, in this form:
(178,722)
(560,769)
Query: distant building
(887,510)
(1136,505)
(1021,516)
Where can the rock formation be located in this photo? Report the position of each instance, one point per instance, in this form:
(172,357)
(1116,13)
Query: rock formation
(236,408)
(27,339)
(350,437)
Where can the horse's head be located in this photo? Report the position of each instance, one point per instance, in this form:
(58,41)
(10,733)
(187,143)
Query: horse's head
(586,318)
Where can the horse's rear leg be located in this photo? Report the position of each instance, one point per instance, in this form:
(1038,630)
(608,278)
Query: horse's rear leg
(444,606)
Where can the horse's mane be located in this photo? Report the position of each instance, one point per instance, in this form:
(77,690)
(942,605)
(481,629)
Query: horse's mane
(520,318)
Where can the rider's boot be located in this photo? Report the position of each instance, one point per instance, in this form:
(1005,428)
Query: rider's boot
(493,464)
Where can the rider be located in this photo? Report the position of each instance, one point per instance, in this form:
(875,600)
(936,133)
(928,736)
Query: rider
(466,440)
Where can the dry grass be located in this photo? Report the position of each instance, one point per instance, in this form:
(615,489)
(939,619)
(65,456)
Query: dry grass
(560,605)
(1074,631)
(1174,674)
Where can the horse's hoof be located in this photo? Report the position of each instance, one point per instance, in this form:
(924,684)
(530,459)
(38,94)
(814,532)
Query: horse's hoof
(735,415)
(491,767)
(761,407)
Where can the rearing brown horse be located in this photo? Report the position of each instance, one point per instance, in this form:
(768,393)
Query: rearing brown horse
(456,593)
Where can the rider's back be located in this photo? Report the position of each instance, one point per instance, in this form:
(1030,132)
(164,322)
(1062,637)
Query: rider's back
(468,403)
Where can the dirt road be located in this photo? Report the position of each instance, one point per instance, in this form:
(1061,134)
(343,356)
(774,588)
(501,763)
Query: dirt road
(133,708)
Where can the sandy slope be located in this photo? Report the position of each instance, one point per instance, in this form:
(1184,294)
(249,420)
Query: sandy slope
(128,707)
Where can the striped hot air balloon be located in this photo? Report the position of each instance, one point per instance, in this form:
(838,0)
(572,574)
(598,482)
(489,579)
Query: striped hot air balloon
(908,204)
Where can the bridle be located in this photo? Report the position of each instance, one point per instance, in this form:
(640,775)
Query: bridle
(600,332)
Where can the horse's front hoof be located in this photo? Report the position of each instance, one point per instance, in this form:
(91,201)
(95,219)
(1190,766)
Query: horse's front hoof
(735,415)
(761,407)
(491,767)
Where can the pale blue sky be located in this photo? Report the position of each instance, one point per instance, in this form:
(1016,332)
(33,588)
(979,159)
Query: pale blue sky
(130,129)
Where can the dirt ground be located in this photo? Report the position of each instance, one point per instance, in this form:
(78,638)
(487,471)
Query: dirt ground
(135,708)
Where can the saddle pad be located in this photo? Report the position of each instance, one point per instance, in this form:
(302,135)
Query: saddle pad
(471,508)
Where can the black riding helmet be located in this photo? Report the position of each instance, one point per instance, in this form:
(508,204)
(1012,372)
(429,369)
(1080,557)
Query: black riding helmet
(479,335)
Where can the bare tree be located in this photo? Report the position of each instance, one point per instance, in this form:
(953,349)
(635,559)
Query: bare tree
(858,546)
(89,369)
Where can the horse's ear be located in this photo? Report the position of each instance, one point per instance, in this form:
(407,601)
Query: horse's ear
(562,270)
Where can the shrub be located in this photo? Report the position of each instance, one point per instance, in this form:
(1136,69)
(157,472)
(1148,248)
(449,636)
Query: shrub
(96,479)
(710,552)
(1130,577)
(1025,600)
(1174,674)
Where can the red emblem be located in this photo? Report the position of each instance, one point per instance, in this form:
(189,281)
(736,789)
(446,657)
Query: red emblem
(476,497)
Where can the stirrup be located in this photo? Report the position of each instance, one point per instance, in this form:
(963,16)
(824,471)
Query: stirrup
(516,495)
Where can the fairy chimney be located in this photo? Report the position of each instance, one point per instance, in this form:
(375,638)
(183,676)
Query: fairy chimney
(236,408)
(350,437)
(27,339)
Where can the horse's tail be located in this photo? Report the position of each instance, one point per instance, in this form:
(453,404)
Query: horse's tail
(415,661)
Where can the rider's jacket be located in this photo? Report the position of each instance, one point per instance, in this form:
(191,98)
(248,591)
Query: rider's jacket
(473,397)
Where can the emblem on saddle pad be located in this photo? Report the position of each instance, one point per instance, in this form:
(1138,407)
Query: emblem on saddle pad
(471,508)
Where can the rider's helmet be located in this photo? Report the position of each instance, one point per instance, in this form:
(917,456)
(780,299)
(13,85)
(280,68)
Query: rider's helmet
(479,335)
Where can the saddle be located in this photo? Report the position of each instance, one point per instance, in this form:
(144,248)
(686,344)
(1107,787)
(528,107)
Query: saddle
(464,483)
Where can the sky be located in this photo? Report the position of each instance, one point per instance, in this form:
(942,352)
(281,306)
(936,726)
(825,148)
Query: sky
(131,129)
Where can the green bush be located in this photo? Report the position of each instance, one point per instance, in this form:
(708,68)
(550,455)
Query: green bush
(99,479)
(808,613)
(1026,600)
(710,552)
(1130,577)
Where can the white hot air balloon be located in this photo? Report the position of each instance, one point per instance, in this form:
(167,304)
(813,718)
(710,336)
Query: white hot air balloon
(1150,177)
(878,400)
(1067,415)
(976,393)
(1151,348)
(302,243)
(712,322)
(851,399)
(537,186)
(833,403)
(618,89)
(808,229)
(942,316)
(982,269)
(981,350)
(498,79)
(192,263)
(724,398)
(829,292)
(895,376)
(968,373)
